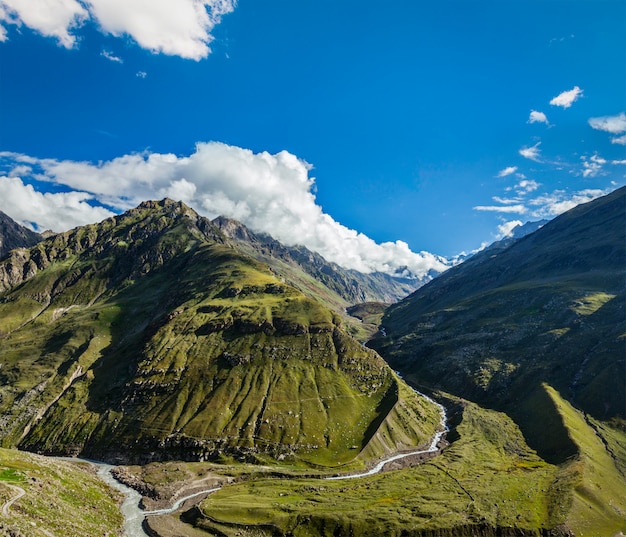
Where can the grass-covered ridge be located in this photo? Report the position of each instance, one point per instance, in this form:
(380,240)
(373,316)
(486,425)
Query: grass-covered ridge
(60,498)
(535,328)
(486,481)
(547,308)
(150,337)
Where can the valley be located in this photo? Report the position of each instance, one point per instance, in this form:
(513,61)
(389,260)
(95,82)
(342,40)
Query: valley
(195,356)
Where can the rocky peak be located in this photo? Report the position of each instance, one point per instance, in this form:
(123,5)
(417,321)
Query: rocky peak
(233,229)
(134,242)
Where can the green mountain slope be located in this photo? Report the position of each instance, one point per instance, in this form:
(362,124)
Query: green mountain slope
(548,308)
(149,336)
(54,497)
(537,329)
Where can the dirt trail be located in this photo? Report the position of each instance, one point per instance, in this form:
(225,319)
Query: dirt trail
(7,506)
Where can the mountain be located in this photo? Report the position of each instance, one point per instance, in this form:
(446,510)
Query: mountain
(337,288)
(152,336)
(12,235)
(535,328)
(546,308)
(300,264)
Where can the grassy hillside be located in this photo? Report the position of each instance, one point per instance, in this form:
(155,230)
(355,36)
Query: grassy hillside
(537,329)
(59,498)
(488,482)
(148,337)
(548,308)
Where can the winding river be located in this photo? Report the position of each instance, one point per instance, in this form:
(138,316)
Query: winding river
(134,515)
(443,425)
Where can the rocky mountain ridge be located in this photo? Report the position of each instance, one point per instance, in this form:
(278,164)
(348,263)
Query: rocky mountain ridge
(352,286)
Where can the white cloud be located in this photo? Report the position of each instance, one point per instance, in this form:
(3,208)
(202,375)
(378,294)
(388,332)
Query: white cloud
(506,201)
(526,186)
(621,140)
(141,74)
(559,201)
(506,229)
(538,117)
(514,209)
(567,98)
(52,18)
(48,211)
(507,171)
(110,56)
(182,28)
(613,124)
(531,153)
(269,193)
(592,166)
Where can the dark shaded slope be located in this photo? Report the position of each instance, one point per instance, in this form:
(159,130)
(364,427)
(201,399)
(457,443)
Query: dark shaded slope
(547,309)
(12,235)
(149,337)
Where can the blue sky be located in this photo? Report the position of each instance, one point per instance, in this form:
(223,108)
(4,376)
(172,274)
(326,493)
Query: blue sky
(382,135)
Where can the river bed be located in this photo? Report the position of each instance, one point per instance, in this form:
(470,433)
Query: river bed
(133,514)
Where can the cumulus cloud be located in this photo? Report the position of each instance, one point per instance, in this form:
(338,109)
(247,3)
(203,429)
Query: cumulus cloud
(538,117)
(182,28)
(531,153)
(506,229)
(526,186)
(593,165)
(507,171)
(621,140)
(51,18)
(567,98)
(57,211)
(268,193)
(613,124)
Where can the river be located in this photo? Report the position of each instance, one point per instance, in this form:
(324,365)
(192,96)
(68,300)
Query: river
(133,514)
(443,425)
